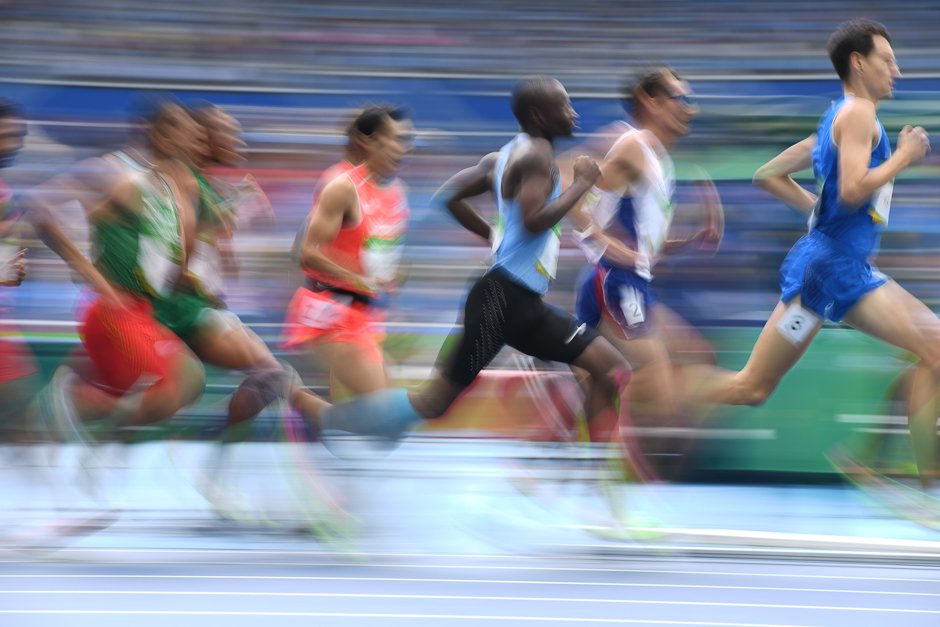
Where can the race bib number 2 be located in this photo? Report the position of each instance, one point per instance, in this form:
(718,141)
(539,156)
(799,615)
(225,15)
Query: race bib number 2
(632,306)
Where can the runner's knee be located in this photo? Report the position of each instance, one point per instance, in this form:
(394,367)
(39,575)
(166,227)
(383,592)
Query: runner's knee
(269,380)
(751,392)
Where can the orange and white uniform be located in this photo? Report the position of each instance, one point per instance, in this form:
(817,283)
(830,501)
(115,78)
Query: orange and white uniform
(329,310)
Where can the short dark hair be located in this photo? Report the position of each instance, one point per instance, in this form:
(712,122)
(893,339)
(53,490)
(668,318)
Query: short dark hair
(9,109)
(650,80)
(529,94)
(853,36)
(152,109)
(202,110)
(370,118)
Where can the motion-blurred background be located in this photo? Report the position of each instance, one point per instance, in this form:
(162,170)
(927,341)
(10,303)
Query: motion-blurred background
(291,70)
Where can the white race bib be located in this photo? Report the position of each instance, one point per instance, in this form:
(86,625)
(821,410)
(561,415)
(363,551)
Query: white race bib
(206,265)
(797,324)
(497,236)
(159,270)
(382,262)
(881,202)
(632,306)
(548,260)
(319,313)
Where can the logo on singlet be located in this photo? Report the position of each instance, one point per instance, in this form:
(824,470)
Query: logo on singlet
(579,331)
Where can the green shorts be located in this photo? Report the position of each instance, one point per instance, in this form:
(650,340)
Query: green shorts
(185,314)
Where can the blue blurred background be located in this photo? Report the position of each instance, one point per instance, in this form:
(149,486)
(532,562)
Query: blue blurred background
(291,70)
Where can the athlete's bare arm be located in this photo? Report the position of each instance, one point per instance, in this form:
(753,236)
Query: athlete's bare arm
(469,183)
(711,233)
(596,147)
(100,188)
(621,168)
(530,179)
(776,176)
(336,205)
(855,132)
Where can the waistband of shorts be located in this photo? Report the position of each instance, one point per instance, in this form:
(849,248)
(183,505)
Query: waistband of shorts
(617,272)
(320,287)
(837,246)
(503,276)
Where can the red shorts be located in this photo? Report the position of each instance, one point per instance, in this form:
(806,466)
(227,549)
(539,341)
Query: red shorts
(127,344)
(335,318)
(16,360)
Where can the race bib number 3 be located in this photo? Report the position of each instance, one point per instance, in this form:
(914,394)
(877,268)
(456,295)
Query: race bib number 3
(797,324)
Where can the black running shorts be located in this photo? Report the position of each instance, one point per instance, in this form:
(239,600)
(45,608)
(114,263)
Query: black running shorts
(500,312)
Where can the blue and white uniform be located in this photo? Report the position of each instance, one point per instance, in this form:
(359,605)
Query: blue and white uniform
(639,217)
(531,259)
(829,267)
(505,307)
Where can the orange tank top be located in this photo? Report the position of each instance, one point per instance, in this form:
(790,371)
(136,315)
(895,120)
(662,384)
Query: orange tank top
(372,247)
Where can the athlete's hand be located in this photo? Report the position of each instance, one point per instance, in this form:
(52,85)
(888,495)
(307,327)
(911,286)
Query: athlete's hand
(586,169)
(714,229)
(706,240)
(249,183)
(14,270)
(373,285)
(913,143)
(255,203)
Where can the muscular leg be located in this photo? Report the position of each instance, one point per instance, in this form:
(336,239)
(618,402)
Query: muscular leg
(652,395)
(773,356)
(356,368)
(609,373)
(684,343)
(892,314)
(228,343)
(391,412)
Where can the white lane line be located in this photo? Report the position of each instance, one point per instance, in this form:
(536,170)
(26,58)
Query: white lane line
(461,597)
(325,554)
(933,546)
(520,582)
(446,567)
(481,617)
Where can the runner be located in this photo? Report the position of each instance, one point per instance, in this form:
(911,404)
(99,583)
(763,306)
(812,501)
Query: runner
(352,251)
(629,212)
(506,306)
(827,274)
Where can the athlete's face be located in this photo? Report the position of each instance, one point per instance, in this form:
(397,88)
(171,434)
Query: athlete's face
(559,118)
(879,69)
(677,107)
(176,134)
(12,133)
(387,146)
(199,148)
(225,138)
(188,137)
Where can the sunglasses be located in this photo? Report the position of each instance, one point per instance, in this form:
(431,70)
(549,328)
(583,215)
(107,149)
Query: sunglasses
(686,100)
